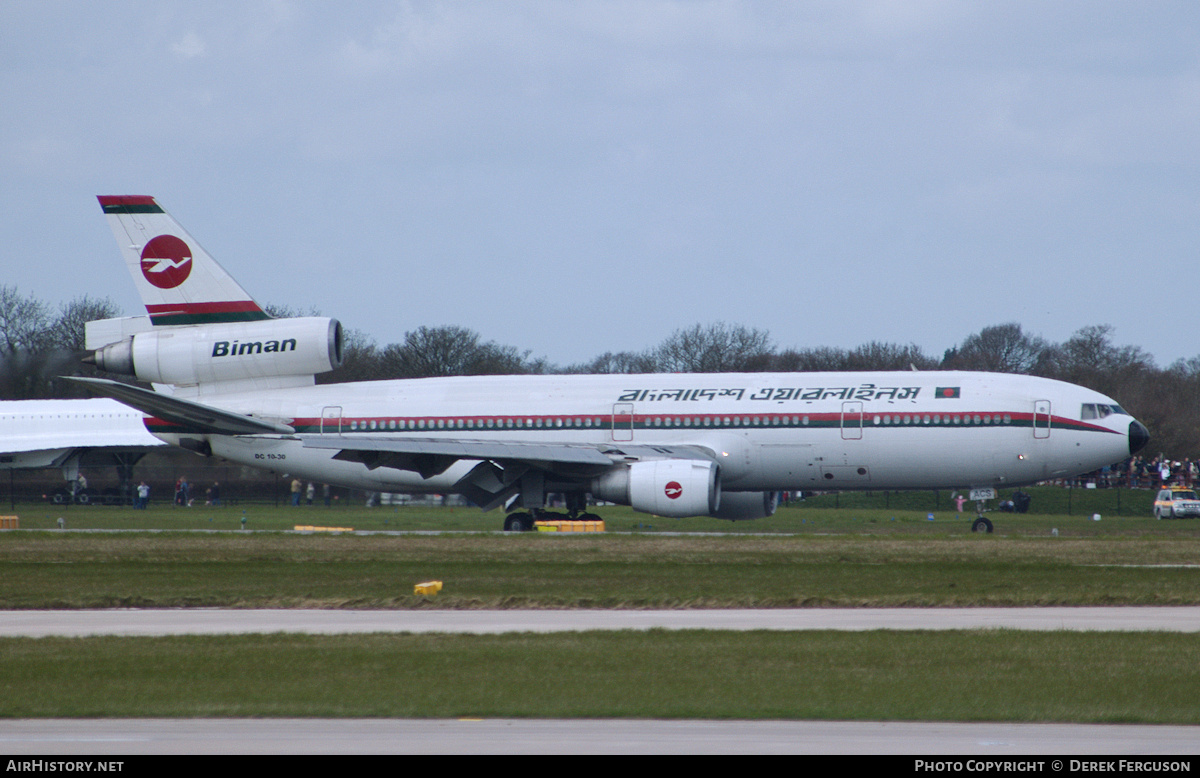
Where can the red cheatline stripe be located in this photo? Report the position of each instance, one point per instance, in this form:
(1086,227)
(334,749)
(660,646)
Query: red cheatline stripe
(230,306)
(603,421)
(106,200)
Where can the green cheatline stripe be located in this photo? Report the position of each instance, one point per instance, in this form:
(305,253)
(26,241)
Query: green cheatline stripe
(135,208)
(207,318)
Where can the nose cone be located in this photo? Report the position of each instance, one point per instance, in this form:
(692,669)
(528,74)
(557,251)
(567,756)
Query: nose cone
(1139,436)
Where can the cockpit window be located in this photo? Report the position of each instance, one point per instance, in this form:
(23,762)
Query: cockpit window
(1100,411)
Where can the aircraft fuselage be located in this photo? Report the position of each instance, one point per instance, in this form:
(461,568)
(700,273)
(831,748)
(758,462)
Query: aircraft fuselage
(766,431)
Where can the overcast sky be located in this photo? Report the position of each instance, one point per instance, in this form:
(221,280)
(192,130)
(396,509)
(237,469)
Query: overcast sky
(579,177)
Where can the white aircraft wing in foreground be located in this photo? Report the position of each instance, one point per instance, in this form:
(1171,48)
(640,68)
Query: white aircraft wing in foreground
(47,433)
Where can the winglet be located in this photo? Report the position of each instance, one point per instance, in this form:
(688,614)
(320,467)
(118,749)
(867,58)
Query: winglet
(178,280)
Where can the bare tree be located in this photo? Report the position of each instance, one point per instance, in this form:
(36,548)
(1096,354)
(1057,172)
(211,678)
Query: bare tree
(276,311)
(875,355)
(452,350)
(24,337)
(811,360)
(24,321)
(1001,348)
(889,356)
(714,348)
(68,329)
(618,362)
(1167,406)
(431,351)
(1091,359)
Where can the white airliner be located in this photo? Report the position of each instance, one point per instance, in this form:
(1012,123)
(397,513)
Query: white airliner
(242,388)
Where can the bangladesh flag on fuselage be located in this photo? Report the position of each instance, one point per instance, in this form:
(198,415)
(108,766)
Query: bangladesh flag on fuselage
(948,391)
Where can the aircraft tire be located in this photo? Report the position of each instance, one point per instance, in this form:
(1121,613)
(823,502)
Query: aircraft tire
(518,522)
(982,525)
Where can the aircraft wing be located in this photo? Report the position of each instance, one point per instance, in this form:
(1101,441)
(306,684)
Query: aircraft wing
(418,454)
(431,456)
(501,462)
(66,439)
(191,416)
(47,433)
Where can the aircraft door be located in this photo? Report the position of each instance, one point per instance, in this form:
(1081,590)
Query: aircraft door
(331,420)
(1041,418)
(622,422)
(852,420)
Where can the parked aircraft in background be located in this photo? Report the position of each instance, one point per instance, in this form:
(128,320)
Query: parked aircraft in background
(38,434)
(242,387)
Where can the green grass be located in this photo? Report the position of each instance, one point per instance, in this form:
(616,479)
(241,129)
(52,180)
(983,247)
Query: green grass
(495,570)
(1069,512)
(941,676)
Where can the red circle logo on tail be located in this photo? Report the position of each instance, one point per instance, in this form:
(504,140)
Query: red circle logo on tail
(166,261)
(673,490)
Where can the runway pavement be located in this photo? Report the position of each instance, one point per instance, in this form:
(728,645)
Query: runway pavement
(1013,742)
(79,623)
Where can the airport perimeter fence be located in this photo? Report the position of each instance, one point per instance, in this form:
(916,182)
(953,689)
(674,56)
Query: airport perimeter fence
(105,486)
(1061,499)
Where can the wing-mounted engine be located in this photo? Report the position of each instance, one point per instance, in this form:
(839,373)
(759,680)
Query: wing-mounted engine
(739,506)
(237,351)
(664,487)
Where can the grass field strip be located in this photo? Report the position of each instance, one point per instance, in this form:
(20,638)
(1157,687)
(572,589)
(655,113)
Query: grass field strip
(877,675)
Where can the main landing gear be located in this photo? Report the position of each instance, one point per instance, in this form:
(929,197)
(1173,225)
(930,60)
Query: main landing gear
(523,521)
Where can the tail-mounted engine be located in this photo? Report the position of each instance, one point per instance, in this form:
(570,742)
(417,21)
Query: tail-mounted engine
(664,487)
(212,353)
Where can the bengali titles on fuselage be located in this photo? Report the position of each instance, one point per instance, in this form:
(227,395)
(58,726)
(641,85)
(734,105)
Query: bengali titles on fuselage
(865,392)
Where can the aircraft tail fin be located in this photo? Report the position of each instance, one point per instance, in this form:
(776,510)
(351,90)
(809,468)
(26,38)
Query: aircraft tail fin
(179,281)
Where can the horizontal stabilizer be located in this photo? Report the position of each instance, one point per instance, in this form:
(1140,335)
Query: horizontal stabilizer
(192,416)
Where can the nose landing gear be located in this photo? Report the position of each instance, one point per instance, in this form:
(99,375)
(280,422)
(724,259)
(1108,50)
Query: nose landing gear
(981,497)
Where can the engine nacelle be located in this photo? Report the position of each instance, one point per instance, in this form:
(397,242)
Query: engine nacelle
(664,487)
(211,353)
(738,506)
